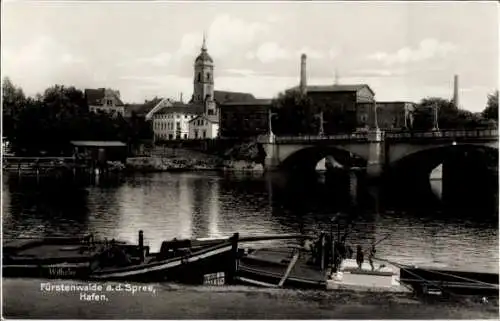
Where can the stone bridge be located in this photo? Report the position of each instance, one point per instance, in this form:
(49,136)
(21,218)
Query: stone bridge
(376,150)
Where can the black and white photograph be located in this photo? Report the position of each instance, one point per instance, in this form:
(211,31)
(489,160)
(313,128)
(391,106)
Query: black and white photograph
(250,160)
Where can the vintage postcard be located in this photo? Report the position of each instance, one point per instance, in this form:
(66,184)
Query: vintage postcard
(250,160)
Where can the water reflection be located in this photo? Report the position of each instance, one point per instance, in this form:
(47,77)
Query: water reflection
(211,205)
(38,207)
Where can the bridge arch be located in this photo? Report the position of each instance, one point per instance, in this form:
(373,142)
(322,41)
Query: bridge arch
(426,159)
(307,157)
(468,177)
(400,151)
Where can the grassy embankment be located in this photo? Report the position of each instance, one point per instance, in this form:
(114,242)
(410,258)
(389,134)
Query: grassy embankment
(241,157)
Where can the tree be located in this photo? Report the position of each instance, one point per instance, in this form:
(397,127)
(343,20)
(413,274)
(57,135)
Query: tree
(50,121)
(13,100)
(296,114)
(449,116)
(491,110)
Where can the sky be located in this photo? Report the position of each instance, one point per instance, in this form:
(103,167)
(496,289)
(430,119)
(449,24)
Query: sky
(402,50)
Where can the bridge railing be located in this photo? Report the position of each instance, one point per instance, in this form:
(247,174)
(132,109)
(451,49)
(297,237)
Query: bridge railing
(478,133)
(363,136)
(307,138)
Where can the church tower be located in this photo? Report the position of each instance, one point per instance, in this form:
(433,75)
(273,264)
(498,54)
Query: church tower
(203,89)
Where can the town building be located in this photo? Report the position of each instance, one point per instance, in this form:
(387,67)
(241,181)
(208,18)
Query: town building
(105,100)
(245,119)
(203,127)
(171,122)
(351,107)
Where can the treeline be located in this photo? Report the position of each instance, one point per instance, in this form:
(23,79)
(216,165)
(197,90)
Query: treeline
(294,114)
(45,124)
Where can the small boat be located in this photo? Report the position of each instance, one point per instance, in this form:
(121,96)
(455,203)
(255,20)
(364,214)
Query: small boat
(85,258)
(201,261)
(53,257)
(320,268)
(300,268)
(189,261)
(448,281)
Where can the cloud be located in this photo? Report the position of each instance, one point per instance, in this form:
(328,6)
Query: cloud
(241,72)
(333,53)
(161,59)
(41,50)
(224,34)
(68,58)
(44,61)
(269,52)
(427,49)
(376,73)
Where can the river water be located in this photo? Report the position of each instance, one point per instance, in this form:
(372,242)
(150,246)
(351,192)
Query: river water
(185,205)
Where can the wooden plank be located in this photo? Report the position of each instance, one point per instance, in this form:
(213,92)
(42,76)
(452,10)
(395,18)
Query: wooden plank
(289,269)
(255,282)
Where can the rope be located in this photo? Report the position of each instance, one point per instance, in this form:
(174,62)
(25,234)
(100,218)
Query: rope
(405,268)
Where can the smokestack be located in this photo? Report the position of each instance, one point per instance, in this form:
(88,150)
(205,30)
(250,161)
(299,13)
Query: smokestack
(455,91)
(181,98)
(303,74)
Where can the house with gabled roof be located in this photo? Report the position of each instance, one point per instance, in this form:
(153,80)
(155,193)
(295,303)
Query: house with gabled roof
(203,127)
(105,100)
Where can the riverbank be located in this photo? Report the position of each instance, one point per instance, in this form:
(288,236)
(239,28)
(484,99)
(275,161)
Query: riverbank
(161,164)
(25,298)
(178,160)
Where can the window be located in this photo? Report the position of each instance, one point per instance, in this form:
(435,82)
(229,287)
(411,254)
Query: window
(208,76)
(204,134)
(196,133)
(109,103)
(199,76)
(185,136)
(210,112)
(170,136)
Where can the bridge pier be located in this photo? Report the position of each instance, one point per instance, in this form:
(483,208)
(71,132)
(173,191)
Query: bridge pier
(272,160)
(376,160)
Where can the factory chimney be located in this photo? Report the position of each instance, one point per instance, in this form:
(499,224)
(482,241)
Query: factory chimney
(303,74)
(455,92)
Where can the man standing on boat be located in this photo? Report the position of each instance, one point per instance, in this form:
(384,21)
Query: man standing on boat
(360,257)
(371,255)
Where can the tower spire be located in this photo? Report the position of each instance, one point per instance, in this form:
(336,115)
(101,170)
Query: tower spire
(204,45)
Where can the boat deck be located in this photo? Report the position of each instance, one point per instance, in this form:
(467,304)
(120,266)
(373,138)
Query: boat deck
(46,251)
(382,278)
(271,264)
